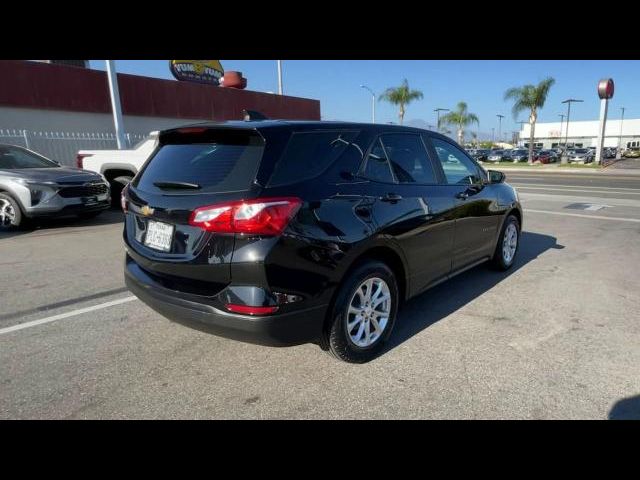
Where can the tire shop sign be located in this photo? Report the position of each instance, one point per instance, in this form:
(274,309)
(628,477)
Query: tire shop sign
(200,71)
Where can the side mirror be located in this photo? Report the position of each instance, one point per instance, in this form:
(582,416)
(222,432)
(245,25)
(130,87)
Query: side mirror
(496,176)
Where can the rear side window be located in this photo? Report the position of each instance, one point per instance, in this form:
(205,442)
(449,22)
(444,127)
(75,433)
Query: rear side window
(216,167)
(377,167)
(408,158)
(308,154)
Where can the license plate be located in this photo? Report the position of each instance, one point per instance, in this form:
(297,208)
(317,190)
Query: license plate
(159,236)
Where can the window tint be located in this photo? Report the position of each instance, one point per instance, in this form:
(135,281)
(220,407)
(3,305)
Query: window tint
(216,167)
(12,157)
(377,167)
(458,168)
(408,158)
(308,154)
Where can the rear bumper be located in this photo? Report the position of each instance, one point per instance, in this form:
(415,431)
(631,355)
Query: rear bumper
(280,329)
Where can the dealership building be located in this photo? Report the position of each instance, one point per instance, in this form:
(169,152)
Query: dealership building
(624,133)
(59,107)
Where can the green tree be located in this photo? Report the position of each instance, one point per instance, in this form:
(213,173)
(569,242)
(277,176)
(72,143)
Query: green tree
(401,96)
(532,98)
(460,118)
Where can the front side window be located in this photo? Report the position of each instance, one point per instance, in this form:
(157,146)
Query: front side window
(408,158)
(458,168)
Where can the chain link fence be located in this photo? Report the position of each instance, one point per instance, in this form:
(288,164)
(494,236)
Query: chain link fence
(63,146)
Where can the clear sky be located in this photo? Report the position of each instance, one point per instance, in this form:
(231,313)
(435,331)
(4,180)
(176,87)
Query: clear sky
(480,83)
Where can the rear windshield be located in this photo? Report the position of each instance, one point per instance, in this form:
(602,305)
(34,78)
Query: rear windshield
(227,166)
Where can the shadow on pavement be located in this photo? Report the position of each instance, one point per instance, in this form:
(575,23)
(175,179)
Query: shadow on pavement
(444,299)
(107,217)
(626,409)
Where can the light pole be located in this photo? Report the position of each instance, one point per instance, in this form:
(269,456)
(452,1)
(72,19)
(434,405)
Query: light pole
(373,103)
(493,135)
(112,77)
(561,115)
(500,117)
(438,110)
(619,153)
(569,101)
(279,77)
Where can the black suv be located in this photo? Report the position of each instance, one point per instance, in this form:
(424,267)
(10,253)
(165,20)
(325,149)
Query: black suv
(286,232)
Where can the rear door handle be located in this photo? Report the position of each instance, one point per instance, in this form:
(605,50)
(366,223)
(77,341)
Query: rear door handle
(391,197)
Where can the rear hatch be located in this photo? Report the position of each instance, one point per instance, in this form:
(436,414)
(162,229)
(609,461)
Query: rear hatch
(192,168)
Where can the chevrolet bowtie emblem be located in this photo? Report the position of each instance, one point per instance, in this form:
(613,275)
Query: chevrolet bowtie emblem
(147,210)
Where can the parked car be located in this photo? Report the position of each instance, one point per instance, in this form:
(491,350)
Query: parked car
(495,156)
(33,186)
(481,154)
(581,155)
(632,153)
(118,166)
(520,155)
(546,156)
(285,232)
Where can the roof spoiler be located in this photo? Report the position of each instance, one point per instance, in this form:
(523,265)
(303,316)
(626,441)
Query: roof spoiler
(252,115)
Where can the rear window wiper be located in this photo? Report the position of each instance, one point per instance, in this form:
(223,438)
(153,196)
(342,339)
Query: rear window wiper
(184,185)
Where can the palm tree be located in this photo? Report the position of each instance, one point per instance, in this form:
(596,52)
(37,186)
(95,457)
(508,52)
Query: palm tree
(474,136)
(460,118)
(401,96)
(532,98)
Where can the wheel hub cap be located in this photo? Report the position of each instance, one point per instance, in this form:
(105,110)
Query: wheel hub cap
(7,214)
(368,312)
(509,243)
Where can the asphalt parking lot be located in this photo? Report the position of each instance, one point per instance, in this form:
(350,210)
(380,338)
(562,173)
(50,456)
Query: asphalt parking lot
(556,337)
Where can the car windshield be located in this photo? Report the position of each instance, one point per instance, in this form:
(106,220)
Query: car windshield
(520,152)
(580,150)
(12,158)
(497,152)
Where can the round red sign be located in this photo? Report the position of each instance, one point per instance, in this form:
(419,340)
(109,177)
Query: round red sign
(605,88)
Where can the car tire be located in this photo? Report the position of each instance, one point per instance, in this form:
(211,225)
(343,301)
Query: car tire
(116,185)
(11,216)
(346,329)
(505,252)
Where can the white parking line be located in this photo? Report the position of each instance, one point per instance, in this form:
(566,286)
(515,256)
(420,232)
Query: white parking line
(61,316)
(597,217)
(522,186)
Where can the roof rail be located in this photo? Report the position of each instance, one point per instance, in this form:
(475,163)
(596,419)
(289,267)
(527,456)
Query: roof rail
(250,115)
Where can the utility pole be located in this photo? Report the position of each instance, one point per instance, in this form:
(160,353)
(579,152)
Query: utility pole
(279,77)
(438,110)
(373,103)
(566,138)
(561,115)
(112,77)
(500,117)
(493,135)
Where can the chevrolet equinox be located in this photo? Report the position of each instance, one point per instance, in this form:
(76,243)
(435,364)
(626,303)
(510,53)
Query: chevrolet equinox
(287,232)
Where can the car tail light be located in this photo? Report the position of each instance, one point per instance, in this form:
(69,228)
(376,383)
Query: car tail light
(249,310)
(80,158)
(261,216)
(123,198)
